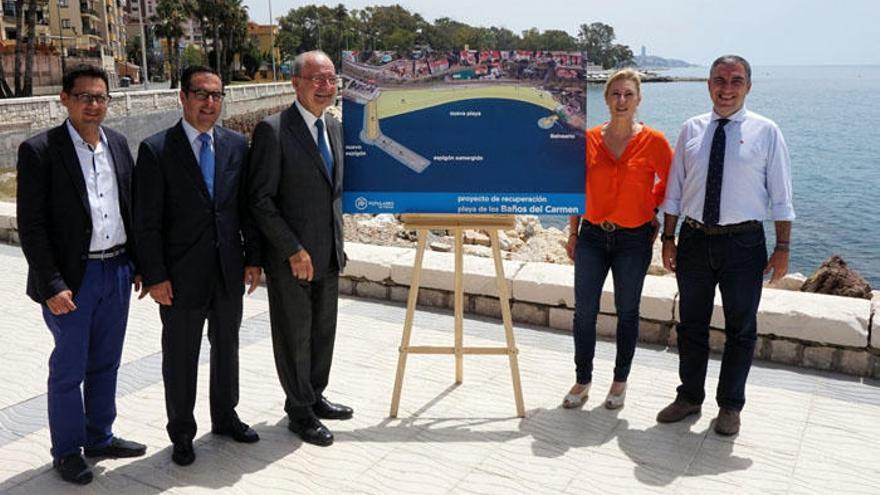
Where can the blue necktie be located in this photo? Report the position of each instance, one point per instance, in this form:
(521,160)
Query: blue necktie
(324,148)
(712,202)
(206,162)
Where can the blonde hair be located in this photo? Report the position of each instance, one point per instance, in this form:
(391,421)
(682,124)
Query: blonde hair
(627,74)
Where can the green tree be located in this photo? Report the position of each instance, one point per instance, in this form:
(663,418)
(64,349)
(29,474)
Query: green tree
(31,19)
(191,56)
(597,39)
(225,23)
(505,39)
(558,40)
(252,59)
(168,23)
(19,46)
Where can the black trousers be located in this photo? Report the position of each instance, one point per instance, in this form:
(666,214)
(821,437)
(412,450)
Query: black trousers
(734,263)
(303,321)
(181,341)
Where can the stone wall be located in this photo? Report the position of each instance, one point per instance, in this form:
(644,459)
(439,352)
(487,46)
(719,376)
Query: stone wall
(803,329)
(137,114)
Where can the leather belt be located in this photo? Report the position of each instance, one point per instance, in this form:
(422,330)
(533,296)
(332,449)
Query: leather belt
(611,226)
(108,253)
(736,228)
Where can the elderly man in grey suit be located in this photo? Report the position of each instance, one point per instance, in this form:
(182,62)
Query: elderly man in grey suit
(295,186)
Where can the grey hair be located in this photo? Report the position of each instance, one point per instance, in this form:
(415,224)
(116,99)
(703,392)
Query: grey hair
(732,60)
(300,61)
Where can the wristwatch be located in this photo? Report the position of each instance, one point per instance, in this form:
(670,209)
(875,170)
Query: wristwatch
(668,237)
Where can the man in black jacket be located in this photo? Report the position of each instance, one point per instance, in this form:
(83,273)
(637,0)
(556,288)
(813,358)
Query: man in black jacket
(74,204)
(296,189)
(197,251)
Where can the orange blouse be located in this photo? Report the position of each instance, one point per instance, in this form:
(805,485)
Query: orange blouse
(625,191)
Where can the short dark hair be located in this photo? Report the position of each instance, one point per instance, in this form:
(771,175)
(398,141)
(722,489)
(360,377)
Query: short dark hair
(732,60)
(83,70)
(189,72)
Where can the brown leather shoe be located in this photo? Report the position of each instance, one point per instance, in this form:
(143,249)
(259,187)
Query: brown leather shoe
(727,423)
(677,411)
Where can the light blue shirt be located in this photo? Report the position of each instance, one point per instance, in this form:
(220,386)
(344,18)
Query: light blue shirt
(96,163)
(757,170)
(192,135)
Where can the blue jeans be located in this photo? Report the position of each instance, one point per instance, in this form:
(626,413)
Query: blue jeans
(627,253)
(735,263)
(88,348)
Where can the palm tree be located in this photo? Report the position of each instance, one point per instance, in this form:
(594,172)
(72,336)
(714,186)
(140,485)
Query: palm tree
(168,20)
(19,48)
(227,21)
(28,86)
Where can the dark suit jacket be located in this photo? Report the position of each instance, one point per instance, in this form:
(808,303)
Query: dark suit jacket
(293,200)
(182,235)
(54,217)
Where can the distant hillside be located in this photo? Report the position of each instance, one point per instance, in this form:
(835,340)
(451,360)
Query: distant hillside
(655,62)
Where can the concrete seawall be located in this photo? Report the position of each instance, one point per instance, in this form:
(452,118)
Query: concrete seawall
(136,114)
(803,329)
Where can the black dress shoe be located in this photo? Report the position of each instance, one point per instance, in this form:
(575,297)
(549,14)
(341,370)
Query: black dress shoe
(73,468)
(117,447)
(325,409)
(183,453)
(240,432)
(311,430)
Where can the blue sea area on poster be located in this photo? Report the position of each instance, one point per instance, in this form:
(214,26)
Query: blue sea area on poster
(487,155)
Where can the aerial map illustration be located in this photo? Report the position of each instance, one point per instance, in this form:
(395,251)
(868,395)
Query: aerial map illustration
(468,131)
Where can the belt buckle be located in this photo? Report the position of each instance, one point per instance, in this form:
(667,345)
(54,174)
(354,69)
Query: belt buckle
(694,224)
(608,226)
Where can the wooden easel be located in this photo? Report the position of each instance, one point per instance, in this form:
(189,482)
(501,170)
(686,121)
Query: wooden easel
(458,223)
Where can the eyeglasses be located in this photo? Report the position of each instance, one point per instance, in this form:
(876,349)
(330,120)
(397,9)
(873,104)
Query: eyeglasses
(319,80)
(203,95)
(88,98)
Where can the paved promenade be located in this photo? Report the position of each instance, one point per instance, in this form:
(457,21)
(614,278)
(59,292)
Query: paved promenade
(803,432)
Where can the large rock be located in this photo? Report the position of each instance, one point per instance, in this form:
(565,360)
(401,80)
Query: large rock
(834,277)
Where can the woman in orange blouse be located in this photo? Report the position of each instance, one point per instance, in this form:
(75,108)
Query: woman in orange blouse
(627,166)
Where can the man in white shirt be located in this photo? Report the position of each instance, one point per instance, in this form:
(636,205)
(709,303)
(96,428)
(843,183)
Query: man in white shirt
(74,205)
(731,171)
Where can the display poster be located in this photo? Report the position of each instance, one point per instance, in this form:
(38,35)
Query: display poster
(464,132)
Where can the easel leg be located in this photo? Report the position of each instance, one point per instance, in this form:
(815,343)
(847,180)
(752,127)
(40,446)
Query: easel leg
(408,322)
(504,300)
(459,303)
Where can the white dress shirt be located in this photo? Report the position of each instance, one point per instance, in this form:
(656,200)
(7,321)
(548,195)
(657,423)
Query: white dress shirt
(96,163)
(192,135)
(757,170)
(310,120)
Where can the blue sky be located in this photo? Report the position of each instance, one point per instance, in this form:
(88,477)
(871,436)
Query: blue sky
(767,32)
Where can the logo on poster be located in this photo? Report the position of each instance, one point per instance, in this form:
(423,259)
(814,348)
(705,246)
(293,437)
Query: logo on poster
(360,203)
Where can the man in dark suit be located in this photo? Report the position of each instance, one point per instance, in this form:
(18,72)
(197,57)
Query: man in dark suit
(73,202)
(296,188)
(197,251)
